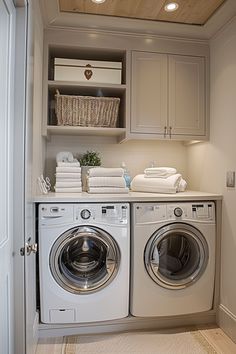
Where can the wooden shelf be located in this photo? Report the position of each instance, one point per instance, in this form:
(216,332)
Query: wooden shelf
(96,131)
(85,87)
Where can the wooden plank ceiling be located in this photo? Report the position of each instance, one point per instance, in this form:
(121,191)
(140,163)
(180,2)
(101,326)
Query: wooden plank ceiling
(195,12)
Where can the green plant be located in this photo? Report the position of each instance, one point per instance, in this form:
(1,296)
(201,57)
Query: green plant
(90,158)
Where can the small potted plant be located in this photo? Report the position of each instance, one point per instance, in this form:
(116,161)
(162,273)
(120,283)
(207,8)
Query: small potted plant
(88,160)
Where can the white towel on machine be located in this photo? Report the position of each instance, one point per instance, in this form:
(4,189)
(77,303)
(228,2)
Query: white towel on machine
(105,172)
(68,169)
(74,175)
(118,182)
(68,164)
(161,172)
(68,184)
(68,190)
(156,185)
(70,180)
(104,190)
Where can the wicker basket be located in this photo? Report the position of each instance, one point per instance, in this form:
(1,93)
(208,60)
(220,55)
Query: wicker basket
(86,111)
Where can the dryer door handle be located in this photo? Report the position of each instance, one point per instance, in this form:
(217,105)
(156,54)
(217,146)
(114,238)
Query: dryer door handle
(155,261)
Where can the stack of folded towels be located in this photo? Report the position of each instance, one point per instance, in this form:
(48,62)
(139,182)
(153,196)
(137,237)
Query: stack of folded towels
(159,180)
(106,180)
(68,177)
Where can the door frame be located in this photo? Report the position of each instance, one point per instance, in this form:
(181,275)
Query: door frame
(25,342)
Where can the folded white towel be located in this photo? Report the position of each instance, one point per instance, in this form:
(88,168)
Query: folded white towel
(68,180)
(68,169)
(182,185)
(106,182)
(68,184)
(161,172)
(156,185)
(68,164)
(157,175)
(105,172)
(74,175)
(110,190)
(68,190)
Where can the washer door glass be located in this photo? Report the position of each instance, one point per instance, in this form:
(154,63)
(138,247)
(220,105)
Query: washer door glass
(176,256)
(84,259)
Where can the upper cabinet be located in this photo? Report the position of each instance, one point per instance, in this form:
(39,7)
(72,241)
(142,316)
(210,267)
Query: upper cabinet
(168,96)
(161,85)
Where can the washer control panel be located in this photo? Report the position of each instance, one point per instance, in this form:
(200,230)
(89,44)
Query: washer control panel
(103,213)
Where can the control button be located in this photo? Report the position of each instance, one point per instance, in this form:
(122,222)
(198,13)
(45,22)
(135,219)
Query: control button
(54,210)
(178,212)
(85,214)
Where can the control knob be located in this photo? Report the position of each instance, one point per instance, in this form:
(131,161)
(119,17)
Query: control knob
(178,212)
(85,214)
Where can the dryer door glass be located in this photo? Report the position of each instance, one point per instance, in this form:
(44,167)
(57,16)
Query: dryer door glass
(84,259)
(176,256)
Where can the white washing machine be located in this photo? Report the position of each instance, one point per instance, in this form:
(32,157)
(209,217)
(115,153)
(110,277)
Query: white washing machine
(83,262)
(172,258)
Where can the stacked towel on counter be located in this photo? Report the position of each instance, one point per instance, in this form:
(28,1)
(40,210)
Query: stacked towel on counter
(159,180)
(106,180)
(160,172)
(68,177)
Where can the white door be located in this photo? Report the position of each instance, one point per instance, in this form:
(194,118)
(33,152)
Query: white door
(24,267)
(7,29)
(149,93)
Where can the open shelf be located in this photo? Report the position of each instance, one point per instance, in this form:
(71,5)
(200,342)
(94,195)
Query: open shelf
(75,130)
(83,88)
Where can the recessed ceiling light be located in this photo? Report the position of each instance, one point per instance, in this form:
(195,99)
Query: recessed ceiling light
(98,1)
(172,6)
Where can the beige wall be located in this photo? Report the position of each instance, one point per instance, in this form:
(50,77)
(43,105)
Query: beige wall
(208,162)
(136,154)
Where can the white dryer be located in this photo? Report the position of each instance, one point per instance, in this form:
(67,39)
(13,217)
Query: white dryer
(83,262)
(172,258)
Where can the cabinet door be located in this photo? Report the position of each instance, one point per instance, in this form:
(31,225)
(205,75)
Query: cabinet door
(187,95)
(148,93)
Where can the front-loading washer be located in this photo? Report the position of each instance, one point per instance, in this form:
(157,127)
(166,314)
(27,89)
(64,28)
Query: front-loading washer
(83,262)
(172,258)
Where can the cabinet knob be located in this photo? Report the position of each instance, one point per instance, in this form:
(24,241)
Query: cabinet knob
(170,132)
(165,131)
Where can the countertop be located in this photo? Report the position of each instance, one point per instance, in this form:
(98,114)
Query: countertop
(129,197)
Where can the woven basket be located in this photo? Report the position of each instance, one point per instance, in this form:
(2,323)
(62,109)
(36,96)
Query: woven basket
(86,111)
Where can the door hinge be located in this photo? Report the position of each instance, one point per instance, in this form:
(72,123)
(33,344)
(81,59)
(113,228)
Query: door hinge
(29,248)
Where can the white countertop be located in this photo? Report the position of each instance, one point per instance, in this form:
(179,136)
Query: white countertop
(129,197)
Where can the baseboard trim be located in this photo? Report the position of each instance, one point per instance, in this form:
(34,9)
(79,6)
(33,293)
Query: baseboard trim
(227,322)
(129,323)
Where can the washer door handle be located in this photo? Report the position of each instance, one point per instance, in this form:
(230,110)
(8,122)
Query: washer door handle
(155,261)
(110,264)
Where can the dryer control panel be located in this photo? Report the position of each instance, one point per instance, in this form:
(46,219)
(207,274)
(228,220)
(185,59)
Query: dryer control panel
(204,211)
(183,211)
